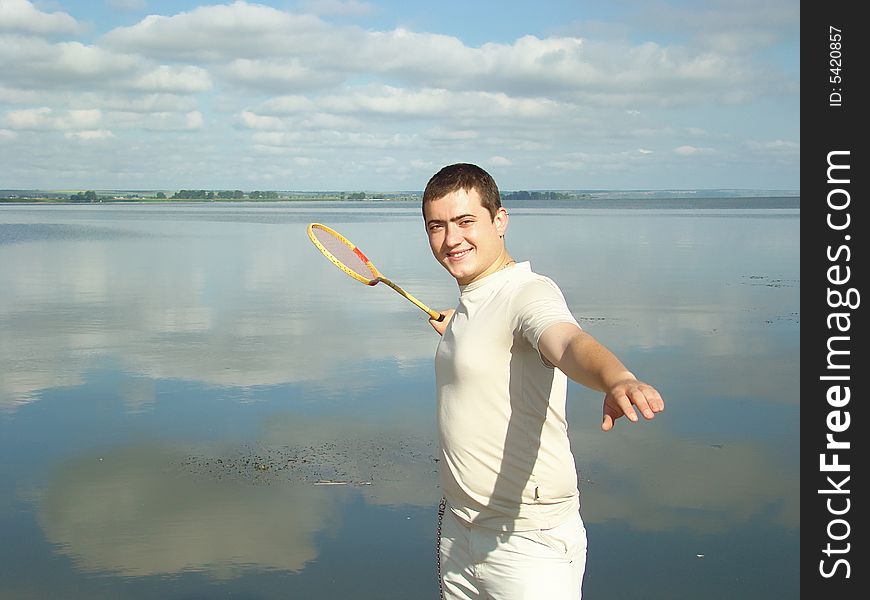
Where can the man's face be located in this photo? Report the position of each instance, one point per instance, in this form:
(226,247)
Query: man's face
(463,237)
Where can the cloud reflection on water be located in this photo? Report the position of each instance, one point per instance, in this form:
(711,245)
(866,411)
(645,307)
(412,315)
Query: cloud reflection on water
(159,508)
(246,316)
(126,512)
(653,481)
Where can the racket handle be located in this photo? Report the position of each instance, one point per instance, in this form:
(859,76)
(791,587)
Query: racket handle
(436,316)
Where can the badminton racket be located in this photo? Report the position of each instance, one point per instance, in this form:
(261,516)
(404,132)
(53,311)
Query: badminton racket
(346,256)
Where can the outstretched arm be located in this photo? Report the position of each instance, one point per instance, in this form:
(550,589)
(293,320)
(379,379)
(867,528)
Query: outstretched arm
(582,358)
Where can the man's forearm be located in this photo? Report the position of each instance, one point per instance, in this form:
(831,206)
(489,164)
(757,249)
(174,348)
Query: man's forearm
(590,363)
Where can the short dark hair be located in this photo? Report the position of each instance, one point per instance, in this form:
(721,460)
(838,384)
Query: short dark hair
(464,176)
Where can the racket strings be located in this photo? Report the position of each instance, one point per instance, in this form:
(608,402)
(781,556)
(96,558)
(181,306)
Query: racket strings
(351,258)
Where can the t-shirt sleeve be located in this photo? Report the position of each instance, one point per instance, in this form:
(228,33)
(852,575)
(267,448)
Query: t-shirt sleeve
(538,304)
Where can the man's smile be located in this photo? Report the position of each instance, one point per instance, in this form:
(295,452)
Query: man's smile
(458,254)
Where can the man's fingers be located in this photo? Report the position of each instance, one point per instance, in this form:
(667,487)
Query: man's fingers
(629,401)
(619,406)
(639,399)
(648,401)
(624,403)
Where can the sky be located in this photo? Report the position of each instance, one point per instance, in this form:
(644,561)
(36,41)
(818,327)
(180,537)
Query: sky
(347,95)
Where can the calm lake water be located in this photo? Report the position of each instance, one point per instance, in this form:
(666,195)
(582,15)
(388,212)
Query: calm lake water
(179,384)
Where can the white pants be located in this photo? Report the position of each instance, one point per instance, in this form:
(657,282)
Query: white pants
(483,564)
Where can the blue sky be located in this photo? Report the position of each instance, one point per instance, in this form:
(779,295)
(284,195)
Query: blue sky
(378,95)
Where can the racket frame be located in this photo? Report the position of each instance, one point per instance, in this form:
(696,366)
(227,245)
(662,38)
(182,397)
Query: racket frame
(377,276)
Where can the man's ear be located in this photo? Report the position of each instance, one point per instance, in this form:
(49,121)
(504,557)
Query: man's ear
(501,221)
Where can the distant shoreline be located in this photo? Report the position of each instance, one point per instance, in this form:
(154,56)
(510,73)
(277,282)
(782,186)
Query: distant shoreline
(738,203)
(168,201)
(22,197)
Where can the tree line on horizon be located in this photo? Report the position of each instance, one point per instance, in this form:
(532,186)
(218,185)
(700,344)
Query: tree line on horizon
(92,196)
(526,195)
(223,195)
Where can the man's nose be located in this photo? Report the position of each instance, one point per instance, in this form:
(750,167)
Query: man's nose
(452,235)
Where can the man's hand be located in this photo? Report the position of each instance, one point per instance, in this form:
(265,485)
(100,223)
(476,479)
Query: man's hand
(441,325)
(582,358)
(626,395)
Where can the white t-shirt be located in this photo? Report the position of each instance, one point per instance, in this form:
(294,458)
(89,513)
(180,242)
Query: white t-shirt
(506,461)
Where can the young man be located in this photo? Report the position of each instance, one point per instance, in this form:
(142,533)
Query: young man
(510,527)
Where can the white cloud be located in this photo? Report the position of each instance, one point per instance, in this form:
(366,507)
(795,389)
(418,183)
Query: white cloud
(91,134)
(286,105)
(687,150)
(193,120)
(156,121)
(28,118)
(389,102)
(259,46)
(251,120)
(319,121)
(32,63)
(275,139)
(44,118)
(288,74)
(136,102)
(82,61)
(776,146)
(18,96)
(173,79)
(327,141)
(81,119)
(223,33)
(452,135)
(23,16)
